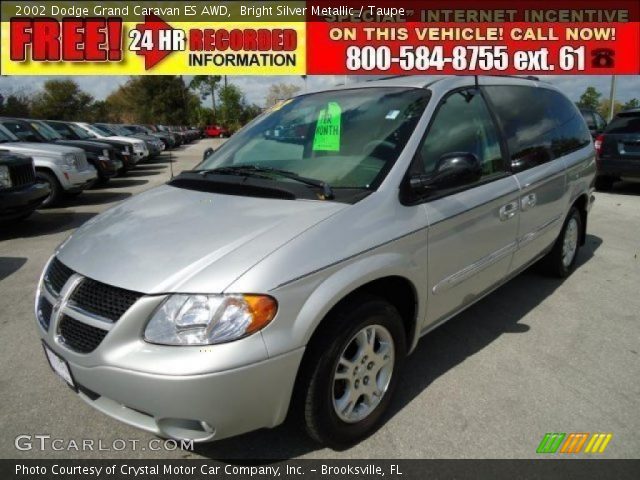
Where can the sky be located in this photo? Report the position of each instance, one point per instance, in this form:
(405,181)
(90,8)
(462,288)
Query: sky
(255,87)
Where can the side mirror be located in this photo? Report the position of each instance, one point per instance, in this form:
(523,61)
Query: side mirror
(455,169)
(207,152)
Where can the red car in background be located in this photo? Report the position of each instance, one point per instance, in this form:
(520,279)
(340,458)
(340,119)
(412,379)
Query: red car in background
(216,131)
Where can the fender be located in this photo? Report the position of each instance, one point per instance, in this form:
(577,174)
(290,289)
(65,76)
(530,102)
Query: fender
(323,292)
(50,165)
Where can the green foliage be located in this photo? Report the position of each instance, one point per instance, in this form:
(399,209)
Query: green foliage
(590,99)
(603,108)
(633,103)
(16,106)
(155,99)
(206,86)
(231,107)
(61,100)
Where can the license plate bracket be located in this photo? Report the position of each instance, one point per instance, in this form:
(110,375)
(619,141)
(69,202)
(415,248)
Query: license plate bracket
(59,366)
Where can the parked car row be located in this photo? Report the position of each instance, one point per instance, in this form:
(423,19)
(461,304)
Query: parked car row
(43,161)
(617,145)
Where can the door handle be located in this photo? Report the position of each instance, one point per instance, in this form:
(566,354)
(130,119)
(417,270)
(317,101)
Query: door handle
(508,211)
(528,201)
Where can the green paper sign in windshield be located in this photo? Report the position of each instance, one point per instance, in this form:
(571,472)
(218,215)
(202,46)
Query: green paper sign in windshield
(327,137)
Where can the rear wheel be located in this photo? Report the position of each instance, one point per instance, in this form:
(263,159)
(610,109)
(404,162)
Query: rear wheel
(56,191)
(561,260)
(351,371)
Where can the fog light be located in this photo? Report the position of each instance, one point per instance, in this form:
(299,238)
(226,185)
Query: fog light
(185,429)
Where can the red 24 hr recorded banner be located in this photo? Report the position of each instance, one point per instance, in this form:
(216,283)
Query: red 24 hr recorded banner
(316,37)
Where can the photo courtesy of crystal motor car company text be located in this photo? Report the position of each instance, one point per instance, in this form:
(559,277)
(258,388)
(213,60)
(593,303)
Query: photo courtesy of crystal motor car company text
(311,230)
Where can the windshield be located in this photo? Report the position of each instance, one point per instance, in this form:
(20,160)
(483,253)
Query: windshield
(80,132)
(45,131)
(119,130)
(346,138)
(6,135)
(102,130)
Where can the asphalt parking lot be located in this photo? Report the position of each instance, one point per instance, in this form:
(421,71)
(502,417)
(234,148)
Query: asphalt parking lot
(538,355)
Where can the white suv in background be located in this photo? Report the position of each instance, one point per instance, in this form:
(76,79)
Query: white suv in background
(139,148)
(65,169)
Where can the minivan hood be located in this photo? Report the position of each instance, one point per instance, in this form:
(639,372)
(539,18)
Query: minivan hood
(42,149)
(170,239)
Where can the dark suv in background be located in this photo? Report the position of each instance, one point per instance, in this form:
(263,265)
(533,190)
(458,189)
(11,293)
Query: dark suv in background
(70,131)
(618,148)
(20,194)
(594,120)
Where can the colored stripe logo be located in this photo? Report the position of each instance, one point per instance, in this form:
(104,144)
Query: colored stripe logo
(573,443)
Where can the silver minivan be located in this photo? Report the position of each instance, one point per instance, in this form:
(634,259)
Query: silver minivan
(293,270)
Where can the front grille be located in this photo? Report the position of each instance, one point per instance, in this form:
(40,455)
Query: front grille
(57,276)
(44,312)
(103,300)
(81,160)
(22,175)
(79,336)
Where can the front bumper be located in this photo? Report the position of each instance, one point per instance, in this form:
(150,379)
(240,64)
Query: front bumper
(188,392)
(77,180)
(106,168)
(14,203)
(196,407)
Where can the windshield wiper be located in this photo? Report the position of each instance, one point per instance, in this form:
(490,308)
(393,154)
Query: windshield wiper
(327,191)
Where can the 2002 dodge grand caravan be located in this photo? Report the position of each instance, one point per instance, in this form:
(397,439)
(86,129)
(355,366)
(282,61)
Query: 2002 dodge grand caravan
(300,268)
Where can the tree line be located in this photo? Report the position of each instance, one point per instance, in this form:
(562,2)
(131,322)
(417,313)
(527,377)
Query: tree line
(592,99)
(165,99)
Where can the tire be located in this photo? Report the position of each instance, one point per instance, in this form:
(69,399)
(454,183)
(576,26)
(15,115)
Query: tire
(101,181)
(56,189)
(333,421)
(604,184)
(559,261)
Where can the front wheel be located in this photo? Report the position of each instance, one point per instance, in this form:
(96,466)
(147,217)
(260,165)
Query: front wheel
(561,260)
(352,369)
(56,191)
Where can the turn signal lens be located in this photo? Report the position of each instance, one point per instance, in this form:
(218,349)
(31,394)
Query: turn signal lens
(262,309)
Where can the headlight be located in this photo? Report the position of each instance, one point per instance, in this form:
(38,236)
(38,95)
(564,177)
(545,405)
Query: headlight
(138,147)
(69,160)
(209,319)
(5,177)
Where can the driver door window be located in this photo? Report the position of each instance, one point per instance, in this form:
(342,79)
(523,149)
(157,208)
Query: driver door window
(463,124)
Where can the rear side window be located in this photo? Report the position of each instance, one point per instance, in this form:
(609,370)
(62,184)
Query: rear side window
(627,123)
(539,124)
(571,133)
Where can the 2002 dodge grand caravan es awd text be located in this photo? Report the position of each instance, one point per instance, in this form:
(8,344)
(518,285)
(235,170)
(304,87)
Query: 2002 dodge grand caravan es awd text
(293,273)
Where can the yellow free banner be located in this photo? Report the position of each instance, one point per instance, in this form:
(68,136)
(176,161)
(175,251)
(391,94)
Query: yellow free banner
(185,62)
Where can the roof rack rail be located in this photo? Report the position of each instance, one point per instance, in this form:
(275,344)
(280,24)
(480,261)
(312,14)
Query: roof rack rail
(525,77)
(386,77)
